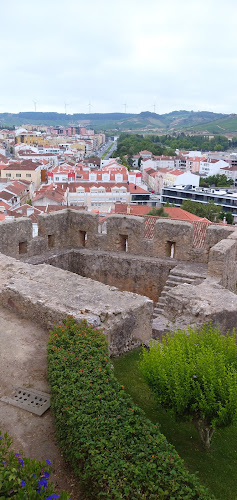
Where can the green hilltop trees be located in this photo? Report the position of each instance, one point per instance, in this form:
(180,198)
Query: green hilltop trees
(194,374)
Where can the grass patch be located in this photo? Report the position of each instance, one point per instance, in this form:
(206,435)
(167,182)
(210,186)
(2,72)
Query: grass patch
(217,467)
(106,152)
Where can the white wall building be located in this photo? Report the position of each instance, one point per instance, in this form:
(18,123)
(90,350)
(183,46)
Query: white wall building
(212,167)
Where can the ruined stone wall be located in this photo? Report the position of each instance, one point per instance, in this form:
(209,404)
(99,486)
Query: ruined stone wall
(173,237)
(145,276)
(194,305)
(223,262)
(47,295)
(15,237)
(70,229)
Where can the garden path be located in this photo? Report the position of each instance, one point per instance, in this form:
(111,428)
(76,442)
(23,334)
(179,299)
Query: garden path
(23,363)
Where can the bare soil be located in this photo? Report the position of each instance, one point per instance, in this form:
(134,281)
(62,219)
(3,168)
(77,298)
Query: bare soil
(23,363)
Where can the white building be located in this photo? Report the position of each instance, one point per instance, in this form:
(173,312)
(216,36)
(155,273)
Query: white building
(212,167)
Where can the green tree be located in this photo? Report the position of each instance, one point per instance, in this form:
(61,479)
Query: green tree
(208,210)
(218,180)
(194,374)
(130,160)
(228,215)
(159,212)
(124,162)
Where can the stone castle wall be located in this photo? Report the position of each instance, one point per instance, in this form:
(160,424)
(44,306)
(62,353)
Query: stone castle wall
(72,229)
(123,257)
(133,273)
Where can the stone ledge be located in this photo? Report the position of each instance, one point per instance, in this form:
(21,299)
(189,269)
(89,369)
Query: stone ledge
(47,294)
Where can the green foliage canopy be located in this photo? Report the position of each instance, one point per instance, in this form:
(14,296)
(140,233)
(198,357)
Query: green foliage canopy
(194,374)
(131,144)
(208,210)
(218,180)
(158,212)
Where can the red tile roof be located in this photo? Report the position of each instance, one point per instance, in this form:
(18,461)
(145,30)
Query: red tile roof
(175,213)
(5,195)
(4,205)
(3,159)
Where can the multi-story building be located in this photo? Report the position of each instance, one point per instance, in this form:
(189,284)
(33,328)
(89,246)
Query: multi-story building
(212,167)
(102,196)
(224,197)
(25,170)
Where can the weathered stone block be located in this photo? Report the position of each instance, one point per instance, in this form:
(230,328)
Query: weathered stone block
(125,234)
(83,229)
(195,305)
(217,233)
(47,295)
(15,237)
(222,263)
(172,239)
(55,229)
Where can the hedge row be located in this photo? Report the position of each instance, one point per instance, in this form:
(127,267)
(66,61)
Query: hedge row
(113,448)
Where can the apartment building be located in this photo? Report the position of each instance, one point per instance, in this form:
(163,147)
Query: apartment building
(25,170)
(227,198)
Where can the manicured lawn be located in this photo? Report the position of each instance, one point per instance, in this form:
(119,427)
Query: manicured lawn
(218,466)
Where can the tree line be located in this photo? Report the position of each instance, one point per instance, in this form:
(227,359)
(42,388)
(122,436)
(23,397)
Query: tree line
(131,144)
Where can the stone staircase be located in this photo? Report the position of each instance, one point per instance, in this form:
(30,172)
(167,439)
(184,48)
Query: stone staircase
(177,276)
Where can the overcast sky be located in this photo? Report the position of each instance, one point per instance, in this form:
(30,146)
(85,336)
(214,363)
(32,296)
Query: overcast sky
(164,55)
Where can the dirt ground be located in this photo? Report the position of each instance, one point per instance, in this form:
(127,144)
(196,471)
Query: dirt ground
(23,364)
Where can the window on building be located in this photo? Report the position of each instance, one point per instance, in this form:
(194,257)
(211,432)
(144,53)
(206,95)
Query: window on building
(8,175)
(18,175)
(28,175)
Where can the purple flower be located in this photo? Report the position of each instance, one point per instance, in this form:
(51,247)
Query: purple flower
(52,496)
(46,474)
(23,483)
(48,462)
(43,483)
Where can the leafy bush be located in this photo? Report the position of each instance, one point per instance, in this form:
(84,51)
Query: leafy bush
(194,373)
(158,212)
(113,448)
(24,478)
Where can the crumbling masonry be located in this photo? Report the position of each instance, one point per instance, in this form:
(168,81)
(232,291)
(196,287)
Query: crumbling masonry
(113,279)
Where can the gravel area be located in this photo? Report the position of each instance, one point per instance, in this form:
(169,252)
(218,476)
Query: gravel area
(23,364)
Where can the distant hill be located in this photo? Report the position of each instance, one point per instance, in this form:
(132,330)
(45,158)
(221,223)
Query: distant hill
(119,122)
(226,124)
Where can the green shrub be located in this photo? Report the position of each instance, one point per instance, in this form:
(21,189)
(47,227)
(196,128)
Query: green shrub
(24,478)
(194,374)
(113,448)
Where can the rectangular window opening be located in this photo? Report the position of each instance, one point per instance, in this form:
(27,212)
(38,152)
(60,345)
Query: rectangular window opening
(171,249)
(22,247)
(50,240)
(83,238)
(123,242)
